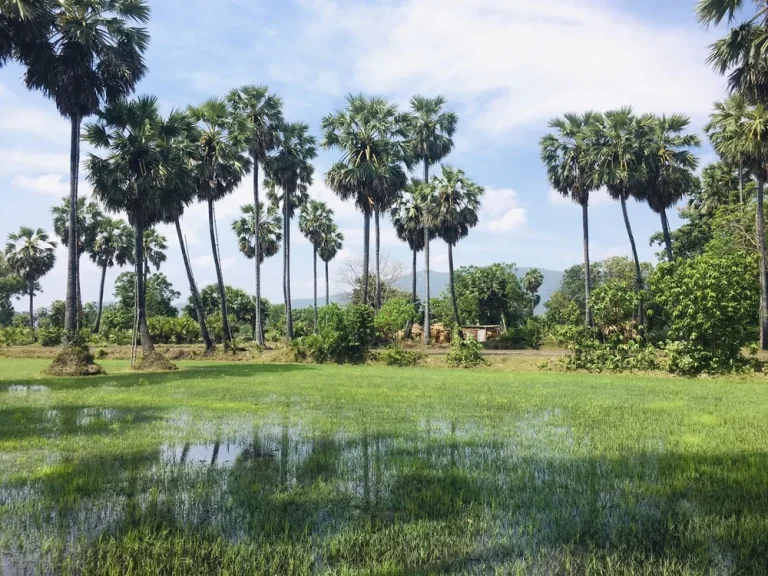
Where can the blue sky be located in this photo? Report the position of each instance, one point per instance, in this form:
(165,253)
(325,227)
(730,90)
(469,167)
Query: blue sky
(506,67)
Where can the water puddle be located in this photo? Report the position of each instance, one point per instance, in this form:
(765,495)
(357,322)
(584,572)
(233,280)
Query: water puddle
(27,389)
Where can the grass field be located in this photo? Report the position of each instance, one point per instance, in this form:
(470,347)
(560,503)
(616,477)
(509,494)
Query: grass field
(298,469)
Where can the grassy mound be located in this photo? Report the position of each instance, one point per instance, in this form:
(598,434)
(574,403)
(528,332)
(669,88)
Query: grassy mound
(155,362)
(74,361)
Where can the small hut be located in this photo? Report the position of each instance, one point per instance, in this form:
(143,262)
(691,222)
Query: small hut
(482,333)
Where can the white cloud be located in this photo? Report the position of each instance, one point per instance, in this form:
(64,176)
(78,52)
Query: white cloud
(48,184)
(21,161)
(502,212)
(40,122)
(514,63)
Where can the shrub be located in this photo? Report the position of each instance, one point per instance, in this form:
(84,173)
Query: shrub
(50,337)
(397,356)
(518,338)
(345,335)
(591,354)
(16,336)
(465,353)
(170,330)
(393,317)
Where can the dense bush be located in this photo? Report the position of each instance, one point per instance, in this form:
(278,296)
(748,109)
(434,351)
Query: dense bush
(16,336)
(588,352)
(168,330)
(50,337)
(465,353)
(397,356)
(526,337)
(345,335)
(393,317)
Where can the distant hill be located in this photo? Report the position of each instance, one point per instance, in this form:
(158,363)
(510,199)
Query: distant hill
(439,282)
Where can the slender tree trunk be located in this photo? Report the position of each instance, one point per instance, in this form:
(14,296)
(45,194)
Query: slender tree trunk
(287,265)
(378,261)
(760,216)
(219,279)
(70,320)
(327,288)
(97,325)
(79,296)
(456,317)
(31,289)
(427,332)
(533,303)
(587,271)
(667,236)
(193,290)
(314,272)
(146,342)
(259,332)
(366,255)
(413,278)
(146,270)
(638,270)
(741,184)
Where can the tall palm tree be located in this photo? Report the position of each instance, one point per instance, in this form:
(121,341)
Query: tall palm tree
(670,167)
(620,142)
(431,133)
(266,241)
(222,166)
(725,125)
(112,245)
(315,218)
(155,245)
(458,204)
(263,112)
(133,178)
(532,281)
(24,25)
(31,255)
(330,244)
(409,227)
(567,156)
(289,175)
(88,217)
(93,54)
(426,200)
(370,133)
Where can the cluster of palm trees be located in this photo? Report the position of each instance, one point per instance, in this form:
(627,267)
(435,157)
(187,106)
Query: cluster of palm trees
(646,157)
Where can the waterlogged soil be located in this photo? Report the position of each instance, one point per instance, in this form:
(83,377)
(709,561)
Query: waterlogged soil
(426,490)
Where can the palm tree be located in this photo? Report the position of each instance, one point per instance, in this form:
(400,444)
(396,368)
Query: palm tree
(267,241)
(458,202)
(133,177)
(407,221)
(24,25)
(370,134)
(426,200)
(330,244)
(725,125)
(532,281)
(222,166)
(112,245)
(670,167)
(567,155)
(93,54)
(315,218)
(88,217)
(155,245)
(30,254)
(264,117)
(620,142)
(289,175)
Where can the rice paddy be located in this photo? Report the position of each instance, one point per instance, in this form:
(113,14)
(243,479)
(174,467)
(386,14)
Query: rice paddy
(299,469)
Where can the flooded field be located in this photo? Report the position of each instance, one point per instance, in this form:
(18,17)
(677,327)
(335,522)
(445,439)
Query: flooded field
(356,470)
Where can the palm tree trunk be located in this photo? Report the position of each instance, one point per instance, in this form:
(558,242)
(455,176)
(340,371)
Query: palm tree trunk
(79,296)
(97,325)
(427,333)
(70,320)
(287,256)
(193,290)
(314,271)
(219,278)
(453,286)
(667,236)
(366,255)
(146,342)
(378,261)
(763,273)
(327,289)
(533,303)
(259,332)
(741,184)
(638,270)
(31,289)
(587,271)
(413,276)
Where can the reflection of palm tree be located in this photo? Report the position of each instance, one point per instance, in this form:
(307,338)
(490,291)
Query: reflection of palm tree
(184,453)
(215,454)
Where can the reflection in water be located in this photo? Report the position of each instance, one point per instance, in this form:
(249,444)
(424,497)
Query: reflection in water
(24,389)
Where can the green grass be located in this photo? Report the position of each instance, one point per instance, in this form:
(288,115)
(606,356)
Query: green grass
(299,469)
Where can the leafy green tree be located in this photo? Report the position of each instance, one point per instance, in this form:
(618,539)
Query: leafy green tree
(531,283)
(491,295)
(55,315)
(222,164)
(263,112)
(241,305)
(93,54)
(561,310)
(458,203)
(315,218)
(568,157)
(133,176)
(159,296)
(112,246)
(395,315)
(289,175)
(11,284)
(30,254)
(330,243)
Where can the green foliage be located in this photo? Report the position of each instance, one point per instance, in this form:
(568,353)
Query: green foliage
(11,284)
(465,353)
(589,353)
(491,295)
(393,316)
(50,337)
(562,310)
(345,335)
(614,309)
(16,336)
(53,316)
(241,306)
(160,294)
(524,337)
(169,330)
(711,305)
(397,356)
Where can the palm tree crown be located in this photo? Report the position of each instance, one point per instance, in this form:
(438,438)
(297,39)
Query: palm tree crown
(270,232)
